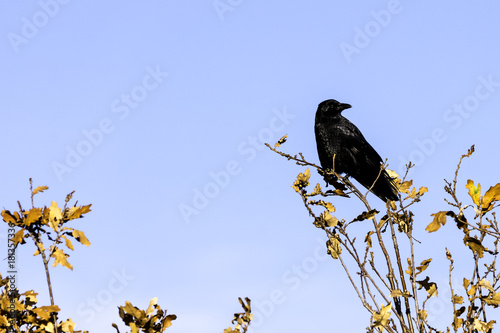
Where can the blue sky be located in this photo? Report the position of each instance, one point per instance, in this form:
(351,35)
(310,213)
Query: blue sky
(140,107)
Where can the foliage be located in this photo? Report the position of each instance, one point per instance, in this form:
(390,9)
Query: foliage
(242,319)
(389,271)
(148,321)
(49,225)
(20,313)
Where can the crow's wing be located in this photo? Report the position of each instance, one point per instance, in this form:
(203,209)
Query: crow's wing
(363,163)
(356,155)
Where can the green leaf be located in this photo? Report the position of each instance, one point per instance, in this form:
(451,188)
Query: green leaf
(474,192)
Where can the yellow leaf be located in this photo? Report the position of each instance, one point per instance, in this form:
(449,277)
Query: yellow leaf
(392,173)
(486,284)
(18,237)
(330,220)
(302,180)
(430,287)
(55,216)
(492,195)
(466,283)
(134,311)
(492,299)
(69,245)
(366,215)
(422,314)
(368,238)
(40,189)
(381,319)
(317,190)
(474,192)
(77,212)
(334,248)
(409,270)
(45,311)
(405,186)
(457,323)
(422,190)
(30,296)
(150,308)
(33,215)
(134,328)
(423,265)
(475,245)
(49,327)
(433,290)
(80,236)
(68,326)
(281,141)
(167,322)
(481,326)
(60,258)
(8,217)
(472,290)
(399,293)
(327,205)
(439,220)
(457,299)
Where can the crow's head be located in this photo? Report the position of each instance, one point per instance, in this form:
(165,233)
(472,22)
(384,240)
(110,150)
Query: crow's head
(331,108)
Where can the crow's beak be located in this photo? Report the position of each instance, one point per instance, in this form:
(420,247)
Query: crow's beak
(344,106)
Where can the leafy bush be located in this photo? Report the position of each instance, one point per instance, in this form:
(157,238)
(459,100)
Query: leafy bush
(383,273)
(49,225)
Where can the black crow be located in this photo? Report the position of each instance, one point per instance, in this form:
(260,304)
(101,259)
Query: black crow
(335,135)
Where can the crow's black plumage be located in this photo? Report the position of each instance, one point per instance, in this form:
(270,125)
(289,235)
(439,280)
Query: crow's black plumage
(335,135)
